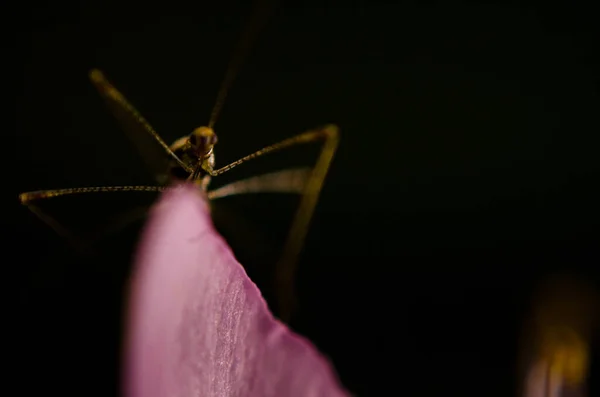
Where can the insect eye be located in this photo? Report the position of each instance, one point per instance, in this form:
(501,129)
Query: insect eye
(205,141)
(193,140)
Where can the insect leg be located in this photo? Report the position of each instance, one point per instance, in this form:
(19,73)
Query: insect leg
(286,267)
(29,198)
(286,181)
(135,126)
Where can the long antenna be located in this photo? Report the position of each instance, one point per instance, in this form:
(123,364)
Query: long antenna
(262,10)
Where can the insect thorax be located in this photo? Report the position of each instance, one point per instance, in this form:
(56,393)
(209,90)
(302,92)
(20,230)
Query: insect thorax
(189,156)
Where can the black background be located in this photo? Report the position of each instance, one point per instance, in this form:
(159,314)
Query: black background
(467,172)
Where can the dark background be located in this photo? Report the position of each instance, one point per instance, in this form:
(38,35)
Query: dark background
(466,174)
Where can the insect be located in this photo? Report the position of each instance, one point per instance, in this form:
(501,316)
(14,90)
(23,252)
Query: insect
(192,158)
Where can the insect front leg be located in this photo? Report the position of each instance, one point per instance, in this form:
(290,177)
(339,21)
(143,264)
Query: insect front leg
(29,199)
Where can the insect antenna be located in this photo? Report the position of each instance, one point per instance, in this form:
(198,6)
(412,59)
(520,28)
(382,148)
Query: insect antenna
(261,13)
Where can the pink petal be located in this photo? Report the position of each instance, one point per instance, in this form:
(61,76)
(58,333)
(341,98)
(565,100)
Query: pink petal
(197,324)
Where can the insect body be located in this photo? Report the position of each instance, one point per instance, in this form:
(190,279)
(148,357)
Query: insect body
(192,158)
(195,149)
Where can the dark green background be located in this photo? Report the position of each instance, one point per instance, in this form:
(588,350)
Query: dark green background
(467,172)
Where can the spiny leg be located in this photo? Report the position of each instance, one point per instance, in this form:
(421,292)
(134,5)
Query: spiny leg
(241,232)
(329,133)
(286,181)
(29,198)
(286,267)
(135,126)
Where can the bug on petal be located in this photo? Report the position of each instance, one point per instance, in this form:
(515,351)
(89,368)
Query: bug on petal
(192,158)
(198,326)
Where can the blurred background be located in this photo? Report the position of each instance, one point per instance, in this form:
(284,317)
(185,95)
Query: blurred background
(466,175)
